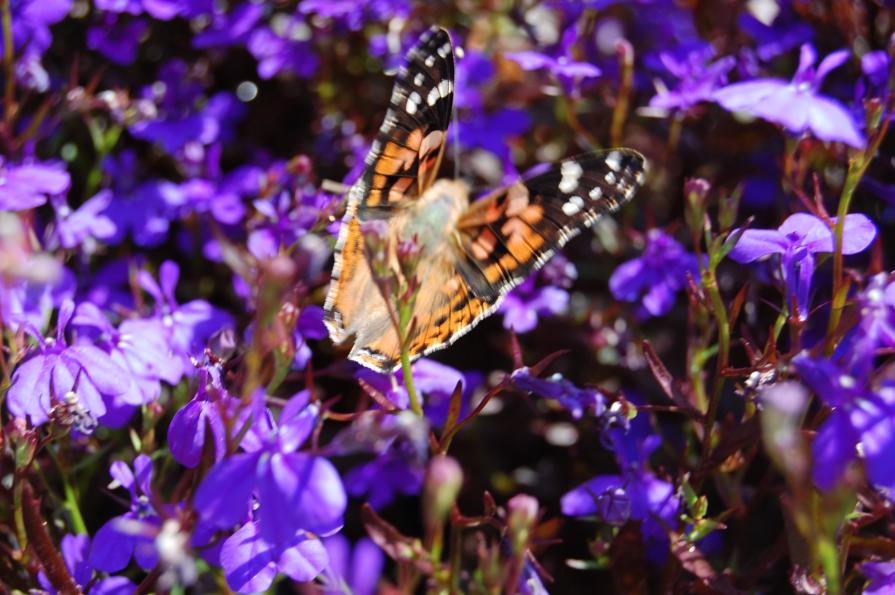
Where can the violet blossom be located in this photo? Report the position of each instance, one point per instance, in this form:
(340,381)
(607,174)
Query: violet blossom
(654,278)
(797,241)
(131,534)
(81,378)
(283,46)
(205,414)
(296,491)
(862,420)
(355,568)
(86,223)
(27,185)
(698,75)
(523,306)
(797,105)
(75,550)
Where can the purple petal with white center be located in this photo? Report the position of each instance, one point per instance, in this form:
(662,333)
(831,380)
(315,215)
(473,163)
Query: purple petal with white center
(742,96)
(830,121)
(29,392)
(106,375)
(531,60)
(111,549)
(584,500)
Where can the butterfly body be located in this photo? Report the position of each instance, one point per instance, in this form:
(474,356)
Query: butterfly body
(472,253)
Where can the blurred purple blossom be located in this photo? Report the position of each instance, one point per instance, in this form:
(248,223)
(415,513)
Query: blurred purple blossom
(473,72)
(131,534)
(30,301)
(356,568)
(785,32)
(230,27)
(86,224)
(576,400)
(296,491)
(27,185)
(880,577)
(354,13)
(75,549)
(492,132)
(859,416)
(309,326)
(158,9)
(656,276)
(31,37)
(698,76)
(797,105)
(284,46)
(569,72)
(876,325)
(797,240)
(524,304)
(250,563)
(117,38)
(82,378)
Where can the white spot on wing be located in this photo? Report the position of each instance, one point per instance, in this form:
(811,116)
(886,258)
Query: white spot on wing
(595,193)
(610,177)
(573,205)
(614,160)
(571,172)
(418,79)
(413,102)
(430,61)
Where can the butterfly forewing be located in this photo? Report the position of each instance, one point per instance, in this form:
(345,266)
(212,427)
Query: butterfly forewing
(509,233)
(403,160)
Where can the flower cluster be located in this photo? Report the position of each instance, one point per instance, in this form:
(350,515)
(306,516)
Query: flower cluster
(642,411)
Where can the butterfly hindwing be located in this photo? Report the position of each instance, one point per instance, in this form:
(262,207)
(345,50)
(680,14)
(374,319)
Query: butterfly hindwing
(404,158)
(511,232)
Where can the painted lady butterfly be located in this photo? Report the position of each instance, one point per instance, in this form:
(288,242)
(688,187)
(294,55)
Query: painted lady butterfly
(472,254)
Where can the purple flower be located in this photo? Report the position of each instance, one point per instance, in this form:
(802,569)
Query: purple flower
(191,324)
(140,346)
(131,534)
(861,418)
(654,278)
(876,327)
(563,68)
(250,563)
(74,549)
(81,378)
(354,13)
(797,240)
(159,9)
(30,299)
(230,28)
(384,478)
(27,185)
(145,212)
(635,494)
(797,105)
(116,38)
(473,72)
(880,578)
(208,410)
(786,31)
(522,306)
(31,35)
(84,224)
(355,569)
(284,46)
(295,491)
(309,326)
(697,79)
(492,132)
(576,400)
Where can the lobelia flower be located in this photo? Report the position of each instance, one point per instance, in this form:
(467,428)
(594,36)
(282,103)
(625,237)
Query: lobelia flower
(31,37)
(797,240)
(117,39)
(880,578)
(208,410)
(140,346)
(29,300)
(576,400)
(81,378)
(636,493)
(697,79)
(295,491)
(283,46)
(797,105)
(27,185)
(251,564)
(656,276)
(131,534)
(354,13)
(86,224)
(191,324)
(525,303)
(492,131)
(861,419)
(229,27)
(876,327)
(162,10)
(472,73)
(309,326)
(565,69)
(786,31)
(74,549)
(355,569)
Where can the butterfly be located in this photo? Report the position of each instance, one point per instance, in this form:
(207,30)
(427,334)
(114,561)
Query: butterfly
(472,254)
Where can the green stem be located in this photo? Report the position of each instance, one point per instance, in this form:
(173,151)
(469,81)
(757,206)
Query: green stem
(71,497)
(9,91)
(404,313)
(19,516)
(720,312)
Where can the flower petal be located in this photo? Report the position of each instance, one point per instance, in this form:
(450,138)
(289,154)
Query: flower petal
(248,561)
(304,560)
(223,496)
(758,243)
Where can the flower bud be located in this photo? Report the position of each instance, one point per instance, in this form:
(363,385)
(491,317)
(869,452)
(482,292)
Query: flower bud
(443,480)
(523,513)
(376,248)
